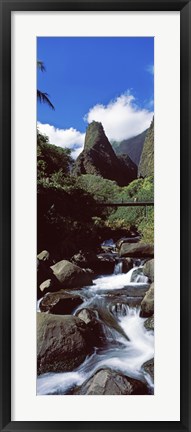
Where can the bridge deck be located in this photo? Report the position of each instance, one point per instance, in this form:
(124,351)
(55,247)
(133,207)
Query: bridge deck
(127,204)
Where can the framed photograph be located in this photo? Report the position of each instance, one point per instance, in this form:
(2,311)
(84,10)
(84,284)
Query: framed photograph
(95,215)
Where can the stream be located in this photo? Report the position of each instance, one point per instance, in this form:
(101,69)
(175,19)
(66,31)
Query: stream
(116,301)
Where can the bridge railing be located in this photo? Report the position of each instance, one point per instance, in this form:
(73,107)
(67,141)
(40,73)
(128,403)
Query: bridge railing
(122,203)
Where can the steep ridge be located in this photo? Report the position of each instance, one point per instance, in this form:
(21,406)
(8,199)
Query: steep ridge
(132,147)
(146,165)
(98,157)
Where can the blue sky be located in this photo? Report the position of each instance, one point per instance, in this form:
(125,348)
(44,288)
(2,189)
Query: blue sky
(106,79)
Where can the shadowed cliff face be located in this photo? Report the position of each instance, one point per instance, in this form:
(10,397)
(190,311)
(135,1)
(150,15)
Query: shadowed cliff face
(132,147)
(99,158)
(146,165)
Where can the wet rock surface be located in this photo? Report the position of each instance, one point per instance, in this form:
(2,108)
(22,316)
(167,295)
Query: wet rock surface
(85,326)
(60,303)
(94,326)
(70,275)
(61,343)
(147,304)
(148,270)
(149,323)
(137,250)
(148,367)
(109,382)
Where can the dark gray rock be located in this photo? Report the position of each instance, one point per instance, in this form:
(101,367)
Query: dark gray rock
(105,264)
(148,270)
(149,323)
(148,367)
(60,303)
(70,275)
(95,327)
(109,382)
(137,250)
(127,264)
(119,242)
(86,315)
(61,343)
(147,304)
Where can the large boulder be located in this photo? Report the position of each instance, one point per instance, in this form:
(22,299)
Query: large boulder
(62,343)
(109,382)
(148,270)
(70,275)
(122,240)
(94,326)
(137,250)
(147,304)
(60,303)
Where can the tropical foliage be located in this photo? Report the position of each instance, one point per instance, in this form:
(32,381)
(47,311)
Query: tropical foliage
(69,213)
(41,96)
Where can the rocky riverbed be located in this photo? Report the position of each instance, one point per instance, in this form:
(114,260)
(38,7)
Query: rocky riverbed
(95,321)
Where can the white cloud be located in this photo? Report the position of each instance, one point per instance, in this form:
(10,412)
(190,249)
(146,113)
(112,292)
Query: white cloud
(66,138)
(121,118)
(150,69)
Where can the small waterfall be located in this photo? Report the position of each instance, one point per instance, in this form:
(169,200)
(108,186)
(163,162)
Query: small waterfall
(118,268)
(128,343)
(138,276)
(141,279)
(119,309)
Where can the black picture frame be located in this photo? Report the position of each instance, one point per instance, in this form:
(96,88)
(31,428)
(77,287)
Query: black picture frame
(6,7)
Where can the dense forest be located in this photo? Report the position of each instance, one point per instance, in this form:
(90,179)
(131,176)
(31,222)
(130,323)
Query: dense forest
(69,215)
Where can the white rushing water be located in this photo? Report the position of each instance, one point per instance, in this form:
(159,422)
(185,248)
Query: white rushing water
(38,304)
(127,356)
(119,280)
(118,268)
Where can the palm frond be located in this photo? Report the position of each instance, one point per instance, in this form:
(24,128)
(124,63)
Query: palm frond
(40,65)
(43,98)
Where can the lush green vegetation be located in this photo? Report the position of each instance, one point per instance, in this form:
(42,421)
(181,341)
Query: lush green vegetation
(51,160)
(101,189)
(146,165)
(69,215)
(136,217)
(69,218)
